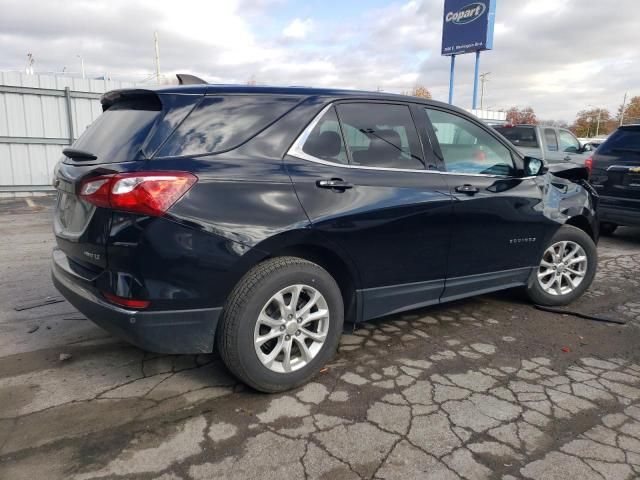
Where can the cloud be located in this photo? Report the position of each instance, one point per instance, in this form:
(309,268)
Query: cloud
(298,28)
(554,55)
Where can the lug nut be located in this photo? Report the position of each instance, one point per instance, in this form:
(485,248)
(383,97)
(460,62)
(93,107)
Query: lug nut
(299,320)
(282,327)
(287,337)
(297,332)
(290,316)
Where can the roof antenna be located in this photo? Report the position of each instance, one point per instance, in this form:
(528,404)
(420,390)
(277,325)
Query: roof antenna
(186,79)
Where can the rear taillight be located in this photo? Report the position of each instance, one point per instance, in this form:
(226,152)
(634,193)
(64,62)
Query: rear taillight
(588,163)
(147,193)
(126,302)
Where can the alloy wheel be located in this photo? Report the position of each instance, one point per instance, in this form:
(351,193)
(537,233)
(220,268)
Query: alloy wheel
(291,329)
(562,268)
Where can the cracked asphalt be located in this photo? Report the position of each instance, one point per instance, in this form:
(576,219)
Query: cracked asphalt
(481,388)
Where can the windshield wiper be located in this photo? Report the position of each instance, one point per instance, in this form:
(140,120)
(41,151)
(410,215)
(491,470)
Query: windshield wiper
(75,154)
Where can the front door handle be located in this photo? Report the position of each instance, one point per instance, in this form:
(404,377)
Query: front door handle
(334,184)
(567,158)
(468,189)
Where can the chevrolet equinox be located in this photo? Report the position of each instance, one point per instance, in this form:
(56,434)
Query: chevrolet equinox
(256,220)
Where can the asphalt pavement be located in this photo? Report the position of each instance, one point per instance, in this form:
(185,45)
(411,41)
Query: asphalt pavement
(481,388)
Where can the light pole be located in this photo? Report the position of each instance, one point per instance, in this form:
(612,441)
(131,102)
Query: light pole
(81,65)
(483,80)
(598,118)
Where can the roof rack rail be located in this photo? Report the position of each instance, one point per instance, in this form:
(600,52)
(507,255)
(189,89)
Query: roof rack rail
(186,79)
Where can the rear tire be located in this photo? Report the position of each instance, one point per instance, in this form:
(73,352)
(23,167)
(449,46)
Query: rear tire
(566,268)
(266,338)
(607,228)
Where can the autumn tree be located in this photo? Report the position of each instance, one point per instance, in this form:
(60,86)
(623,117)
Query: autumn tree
(419,91)
(593,122)
(518,116)
(631,111)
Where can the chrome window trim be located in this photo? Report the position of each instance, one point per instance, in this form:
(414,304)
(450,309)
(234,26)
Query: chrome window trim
(296,151)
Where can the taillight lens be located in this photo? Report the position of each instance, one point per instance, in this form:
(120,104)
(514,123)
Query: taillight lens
(588,163)
(147,193)
(126,302)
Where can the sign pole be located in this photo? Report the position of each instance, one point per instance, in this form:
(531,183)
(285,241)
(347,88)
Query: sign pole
(475,81)
(453,65)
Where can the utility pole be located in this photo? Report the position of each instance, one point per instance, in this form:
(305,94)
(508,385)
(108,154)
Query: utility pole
(81,65)
(598,122)
(624,103)
(155,39)
(483,79)
(30,62)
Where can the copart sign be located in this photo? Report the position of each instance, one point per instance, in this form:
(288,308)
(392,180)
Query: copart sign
(467,26)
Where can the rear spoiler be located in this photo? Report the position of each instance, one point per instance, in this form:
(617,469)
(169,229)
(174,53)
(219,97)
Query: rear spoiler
(115,96)
(150,94)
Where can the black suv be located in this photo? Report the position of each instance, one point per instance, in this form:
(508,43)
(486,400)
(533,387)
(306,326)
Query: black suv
(258,219)
(615,173)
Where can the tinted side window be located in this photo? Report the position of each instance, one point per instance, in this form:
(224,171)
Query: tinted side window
(568,143)
(467,148)
(551,139)
(625,138)
(220,123)
(381,135)
(325,140)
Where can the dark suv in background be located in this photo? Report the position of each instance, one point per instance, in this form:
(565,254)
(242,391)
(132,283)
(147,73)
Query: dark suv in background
(258,219)
(615,173)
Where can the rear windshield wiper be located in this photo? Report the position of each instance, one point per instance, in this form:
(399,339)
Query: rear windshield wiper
(626,149)
(75,154)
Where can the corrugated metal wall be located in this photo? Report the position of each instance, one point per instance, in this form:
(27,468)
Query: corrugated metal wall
(35,124)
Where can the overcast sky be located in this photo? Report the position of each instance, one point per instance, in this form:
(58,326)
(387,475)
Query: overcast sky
(557,56)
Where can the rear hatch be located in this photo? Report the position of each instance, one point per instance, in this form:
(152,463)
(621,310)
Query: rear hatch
(134,123)
(523,137)
(616,168)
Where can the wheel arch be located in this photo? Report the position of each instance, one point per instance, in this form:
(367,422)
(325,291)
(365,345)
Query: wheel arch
(312,246)
(583,223)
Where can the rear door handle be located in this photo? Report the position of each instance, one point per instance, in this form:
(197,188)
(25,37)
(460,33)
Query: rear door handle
(468,189)
(334,184)
(567,158)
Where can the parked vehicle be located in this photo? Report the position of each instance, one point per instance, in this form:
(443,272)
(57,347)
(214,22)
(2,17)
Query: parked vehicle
(615,173)
(551,144)
(258,219)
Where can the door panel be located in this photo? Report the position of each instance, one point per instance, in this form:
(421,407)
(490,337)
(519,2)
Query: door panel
(394,225)
(498,222)
(359,172)
(498,228)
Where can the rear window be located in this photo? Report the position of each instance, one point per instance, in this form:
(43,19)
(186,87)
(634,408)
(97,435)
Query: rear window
(221,123)
(623,138)
(118,134)
(520,136)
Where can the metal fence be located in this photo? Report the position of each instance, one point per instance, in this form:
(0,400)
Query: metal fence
(39,116)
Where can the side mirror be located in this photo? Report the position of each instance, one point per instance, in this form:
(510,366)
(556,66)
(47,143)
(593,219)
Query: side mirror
(533,166)
(587,147)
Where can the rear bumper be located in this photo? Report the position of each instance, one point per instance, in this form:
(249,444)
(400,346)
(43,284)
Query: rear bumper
(167,331)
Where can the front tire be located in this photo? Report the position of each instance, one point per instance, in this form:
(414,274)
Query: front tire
(281,324)
(566,269)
